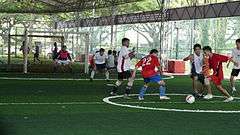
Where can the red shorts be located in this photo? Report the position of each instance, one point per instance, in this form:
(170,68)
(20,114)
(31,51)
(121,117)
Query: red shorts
(216,80)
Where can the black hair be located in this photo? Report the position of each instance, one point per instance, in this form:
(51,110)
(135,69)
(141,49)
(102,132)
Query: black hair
(101,50)
(110,52)
(207,48)
(125,39)
(238,40)
(153,51)
(195,46)
(114,52)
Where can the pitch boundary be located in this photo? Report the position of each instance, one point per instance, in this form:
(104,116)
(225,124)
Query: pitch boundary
(107,100)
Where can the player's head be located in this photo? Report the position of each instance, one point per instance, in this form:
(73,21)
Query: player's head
(207,50)
(114,52)
(64,47)
(197,49)
(55,44)
(238,43)
(101,51)
(110,52)
(154,52)
(125,42)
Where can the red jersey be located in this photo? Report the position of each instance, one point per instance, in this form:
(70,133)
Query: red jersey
(63,55)
(215,63)
(148,64)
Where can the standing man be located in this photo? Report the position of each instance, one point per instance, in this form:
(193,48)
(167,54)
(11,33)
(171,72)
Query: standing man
(215,63)
(196,60)
(149,74)
(236,69)
(36,54)
(123,68)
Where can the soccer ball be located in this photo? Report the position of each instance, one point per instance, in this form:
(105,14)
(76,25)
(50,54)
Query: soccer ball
(190,99)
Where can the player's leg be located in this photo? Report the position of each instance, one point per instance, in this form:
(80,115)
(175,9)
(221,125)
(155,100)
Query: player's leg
(208,87)
(234,74)
(93,72)
(225,93)
(128,88)
(118,83)
(107,73)
(143,89)
(162,86)
(218,84)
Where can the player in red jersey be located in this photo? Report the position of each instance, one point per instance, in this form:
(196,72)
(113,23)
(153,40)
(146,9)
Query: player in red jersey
(148,64)
(215,63)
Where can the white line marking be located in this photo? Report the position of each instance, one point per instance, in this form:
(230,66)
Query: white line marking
(65,79)
(107,100)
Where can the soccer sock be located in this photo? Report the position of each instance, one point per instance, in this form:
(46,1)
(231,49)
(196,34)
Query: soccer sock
(142,91)
(107,75)
(128,89)
(162,90)
(92,74)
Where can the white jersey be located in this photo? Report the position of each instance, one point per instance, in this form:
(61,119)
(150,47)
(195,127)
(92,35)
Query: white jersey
(100,59)
(236,57)
(198,62)
(110,61)
(123,60)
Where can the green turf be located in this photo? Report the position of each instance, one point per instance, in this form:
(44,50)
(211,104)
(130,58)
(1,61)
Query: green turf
(98,118)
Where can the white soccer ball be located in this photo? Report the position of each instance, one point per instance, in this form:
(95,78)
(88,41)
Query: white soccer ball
(190,99)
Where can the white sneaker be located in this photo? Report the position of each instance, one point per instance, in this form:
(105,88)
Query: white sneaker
(164,98)
(233,89)
(208,96)
(228,99)
(140,98)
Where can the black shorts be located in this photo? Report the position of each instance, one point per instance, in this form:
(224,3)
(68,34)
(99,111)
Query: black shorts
(235,72)
(124,75)
(101,66)
(200,77)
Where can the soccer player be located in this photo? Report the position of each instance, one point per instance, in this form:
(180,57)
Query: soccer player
(63,56)
(215,63)
(123,68)
(99,63)
(196,60)
(110,63)
(148,64)
(236,69)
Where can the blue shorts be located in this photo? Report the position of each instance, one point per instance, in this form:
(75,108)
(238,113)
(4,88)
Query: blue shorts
(156,79)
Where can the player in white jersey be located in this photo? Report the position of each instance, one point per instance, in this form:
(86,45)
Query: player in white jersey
(110,64)
(236,69)
(99,63)
(123,68)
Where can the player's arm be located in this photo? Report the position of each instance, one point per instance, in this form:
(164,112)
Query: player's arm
(233,61)
(189,57)
(138,65)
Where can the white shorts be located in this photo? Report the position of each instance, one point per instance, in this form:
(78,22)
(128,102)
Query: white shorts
(63,62)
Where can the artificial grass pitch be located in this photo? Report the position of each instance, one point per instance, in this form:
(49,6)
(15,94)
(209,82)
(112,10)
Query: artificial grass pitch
(91,116)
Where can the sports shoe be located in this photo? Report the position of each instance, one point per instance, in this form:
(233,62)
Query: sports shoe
(164,98)
(113,94)
(228,99)
(233,89)
(208,96)
(126,96)
(140,98)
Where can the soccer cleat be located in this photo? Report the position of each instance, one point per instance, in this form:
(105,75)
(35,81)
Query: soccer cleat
(140,98)
(208,96)
(164,98)
(228,99)
(113,94)
(126,96)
